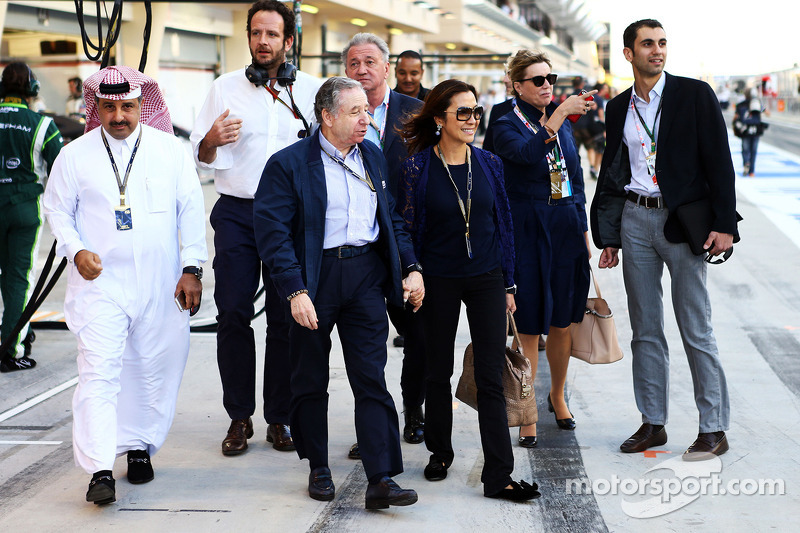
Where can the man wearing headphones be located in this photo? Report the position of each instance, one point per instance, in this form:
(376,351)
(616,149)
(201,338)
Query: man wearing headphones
(249,115)
(29,143)
(75,106)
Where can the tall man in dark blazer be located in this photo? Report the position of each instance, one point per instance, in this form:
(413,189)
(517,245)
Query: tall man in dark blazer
(328,231)
(634,209)
(366,59)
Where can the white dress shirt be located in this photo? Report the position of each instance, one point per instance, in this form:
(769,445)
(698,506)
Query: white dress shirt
(267,126)
(350,216)
(167,214)
(641,180)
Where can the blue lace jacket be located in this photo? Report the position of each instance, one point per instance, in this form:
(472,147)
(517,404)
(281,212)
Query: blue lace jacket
(411,202)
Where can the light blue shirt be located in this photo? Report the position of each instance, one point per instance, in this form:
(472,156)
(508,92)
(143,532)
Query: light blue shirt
(641,179)
(350,217)
(379,116)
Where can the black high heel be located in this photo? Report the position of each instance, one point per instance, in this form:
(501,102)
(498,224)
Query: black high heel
(563,423)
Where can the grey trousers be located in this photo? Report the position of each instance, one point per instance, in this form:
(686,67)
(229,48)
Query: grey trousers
(645,251)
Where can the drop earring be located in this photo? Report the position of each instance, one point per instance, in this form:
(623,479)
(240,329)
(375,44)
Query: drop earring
(438,129)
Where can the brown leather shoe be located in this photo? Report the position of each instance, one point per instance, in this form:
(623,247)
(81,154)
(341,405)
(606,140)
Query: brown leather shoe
(706,446)
(236,440)
(281,437)
(645,437)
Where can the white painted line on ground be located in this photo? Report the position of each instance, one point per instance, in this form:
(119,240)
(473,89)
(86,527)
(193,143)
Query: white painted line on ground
(37,400)
(17,442)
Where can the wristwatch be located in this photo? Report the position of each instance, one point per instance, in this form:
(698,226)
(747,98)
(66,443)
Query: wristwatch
(512,289)
(413,267)
(197,271)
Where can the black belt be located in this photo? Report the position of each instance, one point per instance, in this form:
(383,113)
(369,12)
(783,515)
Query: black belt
(345,252)
(651,202)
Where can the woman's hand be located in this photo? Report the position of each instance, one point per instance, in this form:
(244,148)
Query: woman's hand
(511,305)
(577,104)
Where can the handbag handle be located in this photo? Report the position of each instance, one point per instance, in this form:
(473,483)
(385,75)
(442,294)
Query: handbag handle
(594,279)
(514,332)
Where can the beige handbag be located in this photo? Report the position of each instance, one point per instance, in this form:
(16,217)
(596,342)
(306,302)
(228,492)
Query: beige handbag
(517,384)
(594,339)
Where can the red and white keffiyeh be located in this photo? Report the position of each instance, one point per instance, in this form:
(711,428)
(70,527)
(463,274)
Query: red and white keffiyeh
(123,83)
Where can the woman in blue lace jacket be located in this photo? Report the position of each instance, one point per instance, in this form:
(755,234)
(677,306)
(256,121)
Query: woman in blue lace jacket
(455,207)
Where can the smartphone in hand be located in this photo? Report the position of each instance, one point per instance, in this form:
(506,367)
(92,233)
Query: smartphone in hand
(574,118)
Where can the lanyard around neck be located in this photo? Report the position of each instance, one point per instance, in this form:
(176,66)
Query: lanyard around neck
(464,212)
(122,184)
(651,134)
(555,162)
(275,96)
(355,174)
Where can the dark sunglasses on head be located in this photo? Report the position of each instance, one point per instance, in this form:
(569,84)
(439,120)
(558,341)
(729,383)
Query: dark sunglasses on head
(463,113)
(539,80)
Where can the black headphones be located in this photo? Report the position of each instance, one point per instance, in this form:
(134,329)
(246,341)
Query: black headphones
(257,75)
(286,76)
(33,84)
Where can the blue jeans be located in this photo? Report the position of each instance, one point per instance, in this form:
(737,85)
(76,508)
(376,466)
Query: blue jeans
(749,149)
(645,250)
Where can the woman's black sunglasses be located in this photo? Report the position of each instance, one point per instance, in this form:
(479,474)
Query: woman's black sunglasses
(539,80)
(463,113)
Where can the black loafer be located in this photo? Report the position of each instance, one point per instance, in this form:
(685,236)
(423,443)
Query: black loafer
(414,430)
(706,446)
(354,452)
(140,469)
(436,470)
(320,484)
(519,492)
(528,442)
(386,492)
(647,436)
(101,488)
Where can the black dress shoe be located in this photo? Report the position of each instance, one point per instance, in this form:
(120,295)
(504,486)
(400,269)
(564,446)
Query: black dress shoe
(11,364)
(528,442)
(281,437)
(140,469)
(645,437)
(386,492)
(320,484)
(519,492)
(354,452)
(706,446)
(101,488)
(236,440)
(436,470)
(563,423)
(414,430)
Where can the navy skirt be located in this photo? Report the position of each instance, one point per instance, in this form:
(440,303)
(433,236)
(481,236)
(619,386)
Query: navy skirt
(552,268)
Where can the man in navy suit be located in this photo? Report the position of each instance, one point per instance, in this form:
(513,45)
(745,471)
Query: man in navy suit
(634,209)
(328,231)
(366,59)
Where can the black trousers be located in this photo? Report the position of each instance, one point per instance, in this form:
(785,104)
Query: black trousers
(237,269)
(351,297)
(412,379)
(485,299)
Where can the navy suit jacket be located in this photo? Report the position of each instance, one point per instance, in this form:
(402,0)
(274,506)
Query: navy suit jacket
(289,218)
(394,149)
(498,110)
(693,162)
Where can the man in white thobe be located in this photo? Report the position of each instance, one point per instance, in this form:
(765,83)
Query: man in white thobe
(126,207)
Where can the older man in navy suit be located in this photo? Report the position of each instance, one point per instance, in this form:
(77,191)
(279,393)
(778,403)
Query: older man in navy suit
(635,208)
(366,59)
(334,245)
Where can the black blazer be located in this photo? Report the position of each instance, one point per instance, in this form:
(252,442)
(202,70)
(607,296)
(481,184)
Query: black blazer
(693,162)
(401,107)
(498,110)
